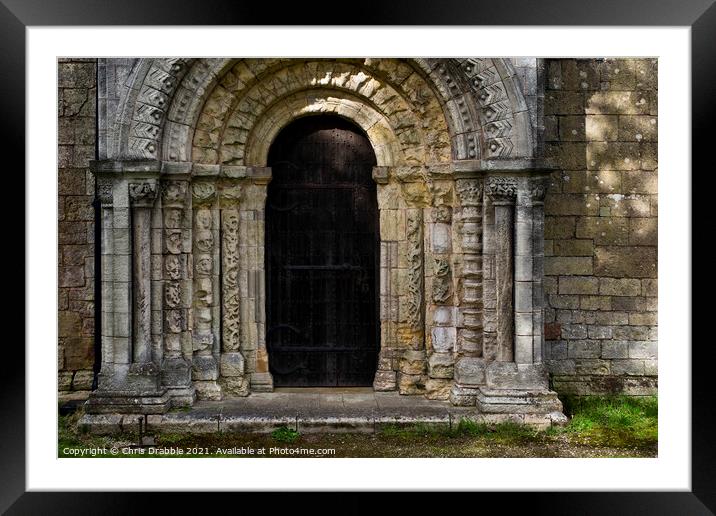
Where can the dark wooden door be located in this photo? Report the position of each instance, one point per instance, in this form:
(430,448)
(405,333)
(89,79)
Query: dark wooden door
(321,254)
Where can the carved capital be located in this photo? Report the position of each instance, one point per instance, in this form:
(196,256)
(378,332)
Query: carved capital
(143,193)
(174,193)
(502,189)
(230,193)
(203,192)
(469,191)
(104,190)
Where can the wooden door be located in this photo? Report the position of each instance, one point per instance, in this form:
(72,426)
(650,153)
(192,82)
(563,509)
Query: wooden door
(321,255)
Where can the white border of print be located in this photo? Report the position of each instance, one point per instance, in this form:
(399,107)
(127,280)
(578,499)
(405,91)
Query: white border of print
(671,470)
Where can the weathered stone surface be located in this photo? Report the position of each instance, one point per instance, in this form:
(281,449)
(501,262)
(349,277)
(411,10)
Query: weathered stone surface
(441,365)
(470,371)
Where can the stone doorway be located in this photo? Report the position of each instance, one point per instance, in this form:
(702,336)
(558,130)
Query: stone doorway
(321,256)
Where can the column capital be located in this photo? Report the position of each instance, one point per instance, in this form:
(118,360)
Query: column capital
(203,192)
(143,192)
(104,191)
(502,189)
(469,191)
(174,193)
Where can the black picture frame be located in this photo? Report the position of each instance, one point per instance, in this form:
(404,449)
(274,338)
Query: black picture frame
(700,15)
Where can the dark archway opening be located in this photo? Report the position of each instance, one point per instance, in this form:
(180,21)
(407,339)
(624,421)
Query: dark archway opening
(322,241)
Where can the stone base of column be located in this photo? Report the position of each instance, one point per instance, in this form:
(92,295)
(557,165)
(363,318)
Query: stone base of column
(513,401)
(385,381)
(462,396)
(234,386)
(205,373)
(261,382)
(128,402)
(182,396)
(176,377)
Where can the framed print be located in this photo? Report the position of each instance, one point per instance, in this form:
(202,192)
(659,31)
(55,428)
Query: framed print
(381,246)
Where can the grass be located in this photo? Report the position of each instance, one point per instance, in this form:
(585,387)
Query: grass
(615,426)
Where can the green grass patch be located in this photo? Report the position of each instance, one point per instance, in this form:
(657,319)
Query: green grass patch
(285,434)
(613,418)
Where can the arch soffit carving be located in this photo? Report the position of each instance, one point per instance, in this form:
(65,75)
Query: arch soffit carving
(484,110)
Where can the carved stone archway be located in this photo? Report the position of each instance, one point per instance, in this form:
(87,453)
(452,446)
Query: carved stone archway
(182,182)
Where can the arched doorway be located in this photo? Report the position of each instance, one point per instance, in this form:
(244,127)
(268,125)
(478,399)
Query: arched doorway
(322,239)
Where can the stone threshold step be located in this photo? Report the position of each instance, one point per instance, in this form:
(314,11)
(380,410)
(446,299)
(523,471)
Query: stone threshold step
(107,424)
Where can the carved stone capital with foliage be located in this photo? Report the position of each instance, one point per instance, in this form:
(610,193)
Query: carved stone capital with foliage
(469,191)
(174,193)
(203,192)
(143,193)
(105,190)
(502,189)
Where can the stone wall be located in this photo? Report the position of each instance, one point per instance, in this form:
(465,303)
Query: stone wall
(601,225)
(76,113)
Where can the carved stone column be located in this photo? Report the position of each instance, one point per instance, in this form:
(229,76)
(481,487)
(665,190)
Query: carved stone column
(503,192)
(413,363)
(176,369)
(388,203)
(232,380)
(129,379)
(469,369)
(142,195)
(252,227)
(205,369)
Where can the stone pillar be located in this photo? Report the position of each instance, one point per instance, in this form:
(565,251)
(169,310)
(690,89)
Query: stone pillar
(177,290)
(205,369)
(252,221)
(388,203)
(232,379)
(106,274)
(469,369)
(538,188)
(502,191)
(413,362)
(513,383)
(142,195)
(129,378)
(441,314)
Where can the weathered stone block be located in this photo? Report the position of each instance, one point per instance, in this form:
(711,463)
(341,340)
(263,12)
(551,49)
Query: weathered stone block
(604,230)
(584,348)
(625,262)
(638,349)
(82,380)
(571,204)
(601,128)
(578,285)
(508,375)
(470,371)
(643,231)
(637,128)
(643,319)
(613,156)
(232,364)
(615,349)
(619,287)
(619,103)
(413,363)
(592,366)
(571,128)
(443,338)
(441,365)
(628,367)
(438,389)
(564,103)
(554,265)
(595,303)
(559,227)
